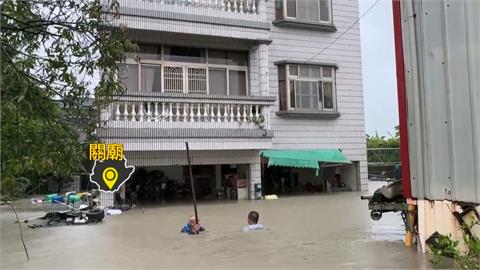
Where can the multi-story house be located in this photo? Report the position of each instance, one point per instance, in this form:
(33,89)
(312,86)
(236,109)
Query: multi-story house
(236,77)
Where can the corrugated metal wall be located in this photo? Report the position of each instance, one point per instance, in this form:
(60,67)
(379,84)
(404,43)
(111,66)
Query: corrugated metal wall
(442,68)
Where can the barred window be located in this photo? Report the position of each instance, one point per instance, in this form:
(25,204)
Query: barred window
(170,69)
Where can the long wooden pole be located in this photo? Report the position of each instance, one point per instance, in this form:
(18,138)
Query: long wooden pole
(192,185)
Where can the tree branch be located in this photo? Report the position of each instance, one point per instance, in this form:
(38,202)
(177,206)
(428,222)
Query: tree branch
(19,226)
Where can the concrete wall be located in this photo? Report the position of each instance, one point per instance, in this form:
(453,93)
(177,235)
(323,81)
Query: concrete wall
(348,175)
(346,132)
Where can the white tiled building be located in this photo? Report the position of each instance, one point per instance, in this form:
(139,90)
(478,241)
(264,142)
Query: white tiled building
(235,77)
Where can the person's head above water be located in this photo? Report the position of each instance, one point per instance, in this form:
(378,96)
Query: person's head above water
(253,217)
(191,220)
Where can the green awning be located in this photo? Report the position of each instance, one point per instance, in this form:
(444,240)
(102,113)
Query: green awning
(304,158)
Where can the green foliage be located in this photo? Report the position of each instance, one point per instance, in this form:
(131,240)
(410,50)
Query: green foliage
(59,61)
(446,247)
(378,141)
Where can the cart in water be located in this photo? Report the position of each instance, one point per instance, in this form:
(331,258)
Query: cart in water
(388,198)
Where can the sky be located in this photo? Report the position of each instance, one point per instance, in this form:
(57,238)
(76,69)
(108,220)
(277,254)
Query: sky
(378,62)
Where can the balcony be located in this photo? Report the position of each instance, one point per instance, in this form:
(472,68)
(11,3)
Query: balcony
(214,18)
(189,111)
(239,6)
(164,121)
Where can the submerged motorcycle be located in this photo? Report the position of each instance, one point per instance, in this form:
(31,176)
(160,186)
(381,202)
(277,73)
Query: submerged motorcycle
(88,213)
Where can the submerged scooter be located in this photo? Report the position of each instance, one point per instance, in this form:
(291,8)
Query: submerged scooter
(88,213)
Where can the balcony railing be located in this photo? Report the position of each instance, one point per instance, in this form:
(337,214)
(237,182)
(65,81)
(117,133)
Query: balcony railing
(238,6)
(175,111)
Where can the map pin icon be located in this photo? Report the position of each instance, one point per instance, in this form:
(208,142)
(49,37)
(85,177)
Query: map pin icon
(110,176)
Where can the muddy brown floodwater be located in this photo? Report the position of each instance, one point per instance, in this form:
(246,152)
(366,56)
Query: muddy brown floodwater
(318,231)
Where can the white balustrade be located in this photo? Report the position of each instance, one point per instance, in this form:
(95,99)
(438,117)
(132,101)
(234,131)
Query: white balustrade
(184,109)
(191,112)
(199,114)
(134,115)
(205,113)
(219,114)
(225,113)
(239,6)
(170,112)
(149,112)
(212,114)
(117,112)
(177,112)
(238,113)
(155,115)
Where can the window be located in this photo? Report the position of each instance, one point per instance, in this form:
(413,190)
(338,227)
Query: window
(172,69)
(184,54)
(307,88)
(310,11)
(128,76)
(218,81)
(237,81)
(151,78)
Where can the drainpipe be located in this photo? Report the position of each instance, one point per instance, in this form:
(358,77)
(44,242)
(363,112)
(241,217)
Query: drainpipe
(403,123)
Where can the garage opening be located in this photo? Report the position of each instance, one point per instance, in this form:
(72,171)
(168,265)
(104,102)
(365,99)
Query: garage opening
(163,184)
(286,180)
(308,171)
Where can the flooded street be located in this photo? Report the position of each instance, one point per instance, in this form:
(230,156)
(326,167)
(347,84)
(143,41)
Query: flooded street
(318,231)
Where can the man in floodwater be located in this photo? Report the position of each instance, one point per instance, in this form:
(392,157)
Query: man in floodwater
(192,227)
(252,220)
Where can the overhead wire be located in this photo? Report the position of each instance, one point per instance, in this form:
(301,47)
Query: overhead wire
(346,30)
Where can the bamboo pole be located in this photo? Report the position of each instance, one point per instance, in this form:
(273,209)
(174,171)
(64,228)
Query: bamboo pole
(192,186)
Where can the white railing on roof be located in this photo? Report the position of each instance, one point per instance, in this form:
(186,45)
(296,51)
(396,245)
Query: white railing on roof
(240,6)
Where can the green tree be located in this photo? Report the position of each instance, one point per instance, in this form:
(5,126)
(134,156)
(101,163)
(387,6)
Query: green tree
(59,61)
(377,141)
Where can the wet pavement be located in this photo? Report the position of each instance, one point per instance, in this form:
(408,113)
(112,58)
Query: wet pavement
(316,231)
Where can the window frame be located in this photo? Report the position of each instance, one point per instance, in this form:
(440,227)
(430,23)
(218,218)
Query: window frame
(287,78)
(185,65)
(286,17)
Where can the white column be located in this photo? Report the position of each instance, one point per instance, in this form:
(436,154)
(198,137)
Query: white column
(219,113)
(140,112)
(263,68)
(170,112)
(134,114)
(255,177)
(106,199)
(205,112)
(212,112)
(125,112)
(149,112)
(253,73)
(192,115)
(106,112)
(232,116)
(225,113)
(117,112)
(199,114)
(156,112)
